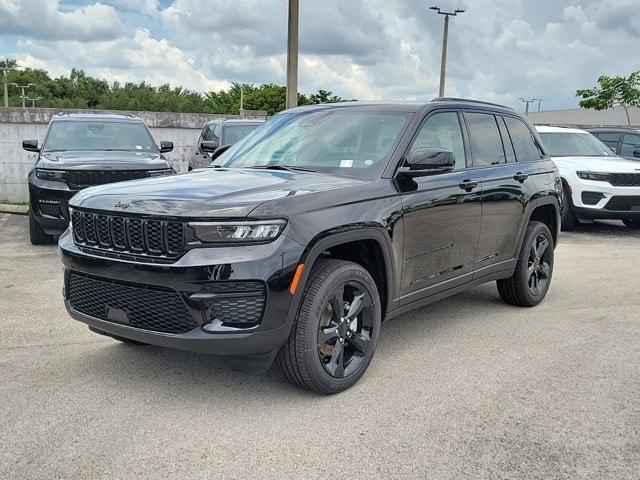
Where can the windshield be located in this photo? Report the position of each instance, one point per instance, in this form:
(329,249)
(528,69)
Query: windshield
(95,135)
(347,140)
(234,133)
(569,144)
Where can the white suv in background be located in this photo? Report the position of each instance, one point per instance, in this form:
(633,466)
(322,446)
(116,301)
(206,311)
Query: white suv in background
(597,183)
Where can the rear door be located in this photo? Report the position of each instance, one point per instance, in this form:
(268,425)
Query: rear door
(441,213)
(502,179)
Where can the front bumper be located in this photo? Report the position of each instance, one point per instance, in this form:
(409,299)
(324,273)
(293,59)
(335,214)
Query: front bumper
(195,273)
(49,203)
(595,199)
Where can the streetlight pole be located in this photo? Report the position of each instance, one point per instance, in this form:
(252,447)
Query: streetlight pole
(23,88)
(5,72)
(527,102)
(292,55)
(539,102)
(445,36)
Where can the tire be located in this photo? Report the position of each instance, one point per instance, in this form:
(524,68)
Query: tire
(634,224)
(36,235)
(317,358)
(522,289)
(116,337)
(568,220)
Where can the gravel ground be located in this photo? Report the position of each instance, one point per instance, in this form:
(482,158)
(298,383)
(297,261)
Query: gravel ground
(465,388)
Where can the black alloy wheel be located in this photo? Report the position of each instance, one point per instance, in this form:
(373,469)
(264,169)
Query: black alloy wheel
(345,331)
(539,268)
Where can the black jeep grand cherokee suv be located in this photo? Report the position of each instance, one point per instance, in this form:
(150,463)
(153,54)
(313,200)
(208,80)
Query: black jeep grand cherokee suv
(80,150)
(319,225)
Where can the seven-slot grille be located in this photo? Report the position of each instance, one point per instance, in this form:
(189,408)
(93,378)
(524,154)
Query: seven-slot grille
(85,178)
(625,179)
(128,235)
(140,306)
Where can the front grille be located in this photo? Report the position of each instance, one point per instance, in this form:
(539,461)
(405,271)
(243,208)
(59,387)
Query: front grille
(621,203)
(86,178)
(119,234)
(140,306)
(625,179)
(237,304)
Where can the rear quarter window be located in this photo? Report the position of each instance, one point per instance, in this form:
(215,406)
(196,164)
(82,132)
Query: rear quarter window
(522,139)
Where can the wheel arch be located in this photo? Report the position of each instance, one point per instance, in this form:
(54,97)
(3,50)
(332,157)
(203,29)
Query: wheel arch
(545,210)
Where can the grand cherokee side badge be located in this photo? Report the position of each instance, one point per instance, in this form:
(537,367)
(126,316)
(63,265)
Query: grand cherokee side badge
(121,205)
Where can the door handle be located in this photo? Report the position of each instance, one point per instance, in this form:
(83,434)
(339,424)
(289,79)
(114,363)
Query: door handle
(521,177)
(468,185)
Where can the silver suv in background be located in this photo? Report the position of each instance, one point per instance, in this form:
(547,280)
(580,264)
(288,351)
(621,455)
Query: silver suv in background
(221,132)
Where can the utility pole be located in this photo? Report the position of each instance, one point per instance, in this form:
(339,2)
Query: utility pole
(445,35)
(527,102)
(5,72)
(241,100)
(292,55)
(33,101)
(23,88)
(539,102)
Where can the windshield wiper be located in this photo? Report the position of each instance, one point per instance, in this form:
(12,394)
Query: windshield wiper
(284,167)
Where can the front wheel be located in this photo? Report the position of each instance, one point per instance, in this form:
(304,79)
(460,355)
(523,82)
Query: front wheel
(336,330)
(635,224)
(530,281)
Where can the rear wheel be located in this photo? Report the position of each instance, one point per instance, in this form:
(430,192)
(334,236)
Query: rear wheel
(530,281)
(36,235)
(568,220)
(336,330)
(635,224)
(116,337)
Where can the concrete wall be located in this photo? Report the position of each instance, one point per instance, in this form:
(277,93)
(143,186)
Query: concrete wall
(17,124)
(581,117)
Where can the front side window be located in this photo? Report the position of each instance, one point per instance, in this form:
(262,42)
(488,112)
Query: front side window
(522,140)
(485,140)
(95,135)
(630,143)
(442,131)
(344,140)
(574,144)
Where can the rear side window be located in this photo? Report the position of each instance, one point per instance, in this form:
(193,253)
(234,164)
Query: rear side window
(522,139)
(630,143)
(485,140)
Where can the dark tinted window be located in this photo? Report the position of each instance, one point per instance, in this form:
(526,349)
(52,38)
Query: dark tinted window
(522,139)
(506,141)
(97,135)
(630,143)
(608,137)
(442,130)
(485,140)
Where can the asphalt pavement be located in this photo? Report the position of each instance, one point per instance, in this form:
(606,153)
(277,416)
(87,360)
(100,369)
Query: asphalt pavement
(465,388)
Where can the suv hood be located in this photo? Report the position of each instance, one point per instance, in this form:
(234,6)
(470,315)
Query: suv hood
(208,193)
(597,164)
(102,160)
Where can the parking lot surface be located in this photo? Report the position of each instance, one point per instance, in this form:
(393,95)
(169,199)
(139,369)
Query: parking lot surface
(465,388)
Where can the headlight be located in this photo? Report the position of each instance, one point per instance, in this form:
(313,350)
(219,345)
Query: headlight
(164,171)
(238,232)
(45,174)
(598,177)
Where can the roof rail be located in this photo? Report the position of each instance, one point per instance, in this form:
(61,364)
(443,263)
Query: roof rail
(468,100)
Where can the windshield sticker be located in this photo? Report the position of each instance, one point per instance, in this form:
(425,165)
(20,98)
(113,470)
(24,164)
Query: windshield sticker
(138,147)
(346,163)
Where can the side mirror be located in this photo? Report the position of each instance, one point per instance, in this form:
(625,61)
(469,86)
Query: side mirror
(30,145)
(209,146)
(428,161)
(636,153)
(166,147)
(219,151)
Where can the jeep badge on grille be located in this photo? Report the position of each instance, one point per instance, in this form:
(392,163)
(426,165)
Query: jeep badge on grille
(121,205)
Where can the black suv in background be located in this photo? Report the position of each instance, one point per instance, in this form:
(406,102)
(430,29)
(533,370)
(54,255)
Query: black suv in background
(82,150)
(625,142)
(217,133)
(315,228)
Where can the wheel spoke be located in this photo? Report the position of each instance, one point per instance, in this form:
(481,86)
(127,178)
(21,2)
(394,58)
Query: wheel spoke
(360,341)
(336,364)
(545,269)
(327,333)
(357,305)
(337,304)
(530,270)
(542,247)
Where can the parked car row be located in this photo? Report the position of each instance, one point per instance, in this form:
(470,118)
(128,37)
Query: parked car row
(299,240)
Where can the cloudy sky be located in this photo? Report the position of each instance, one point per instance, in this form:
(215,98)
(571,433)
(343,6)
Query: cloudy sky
(500,50)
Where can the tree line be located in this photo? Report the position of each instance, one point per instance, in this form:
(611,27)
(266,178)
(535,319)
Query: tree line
(80,90)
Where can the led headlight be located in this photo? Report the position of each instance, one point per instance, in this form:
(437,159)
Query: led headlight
(238,232)
(164,171)
(45,174)
(598,177)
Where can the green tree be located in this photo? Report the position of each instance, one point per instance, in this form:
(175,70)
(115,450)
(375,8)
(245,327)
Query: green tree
(612,91)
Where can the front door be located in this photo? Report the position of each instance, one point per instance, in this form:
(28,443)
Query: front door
(441,214)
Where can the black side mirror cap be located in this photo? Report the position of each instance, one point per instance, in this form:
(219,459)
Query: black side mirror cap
(636,153)
(219,151)
(166,147)
(209,146)
(30,145)
(428,161)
